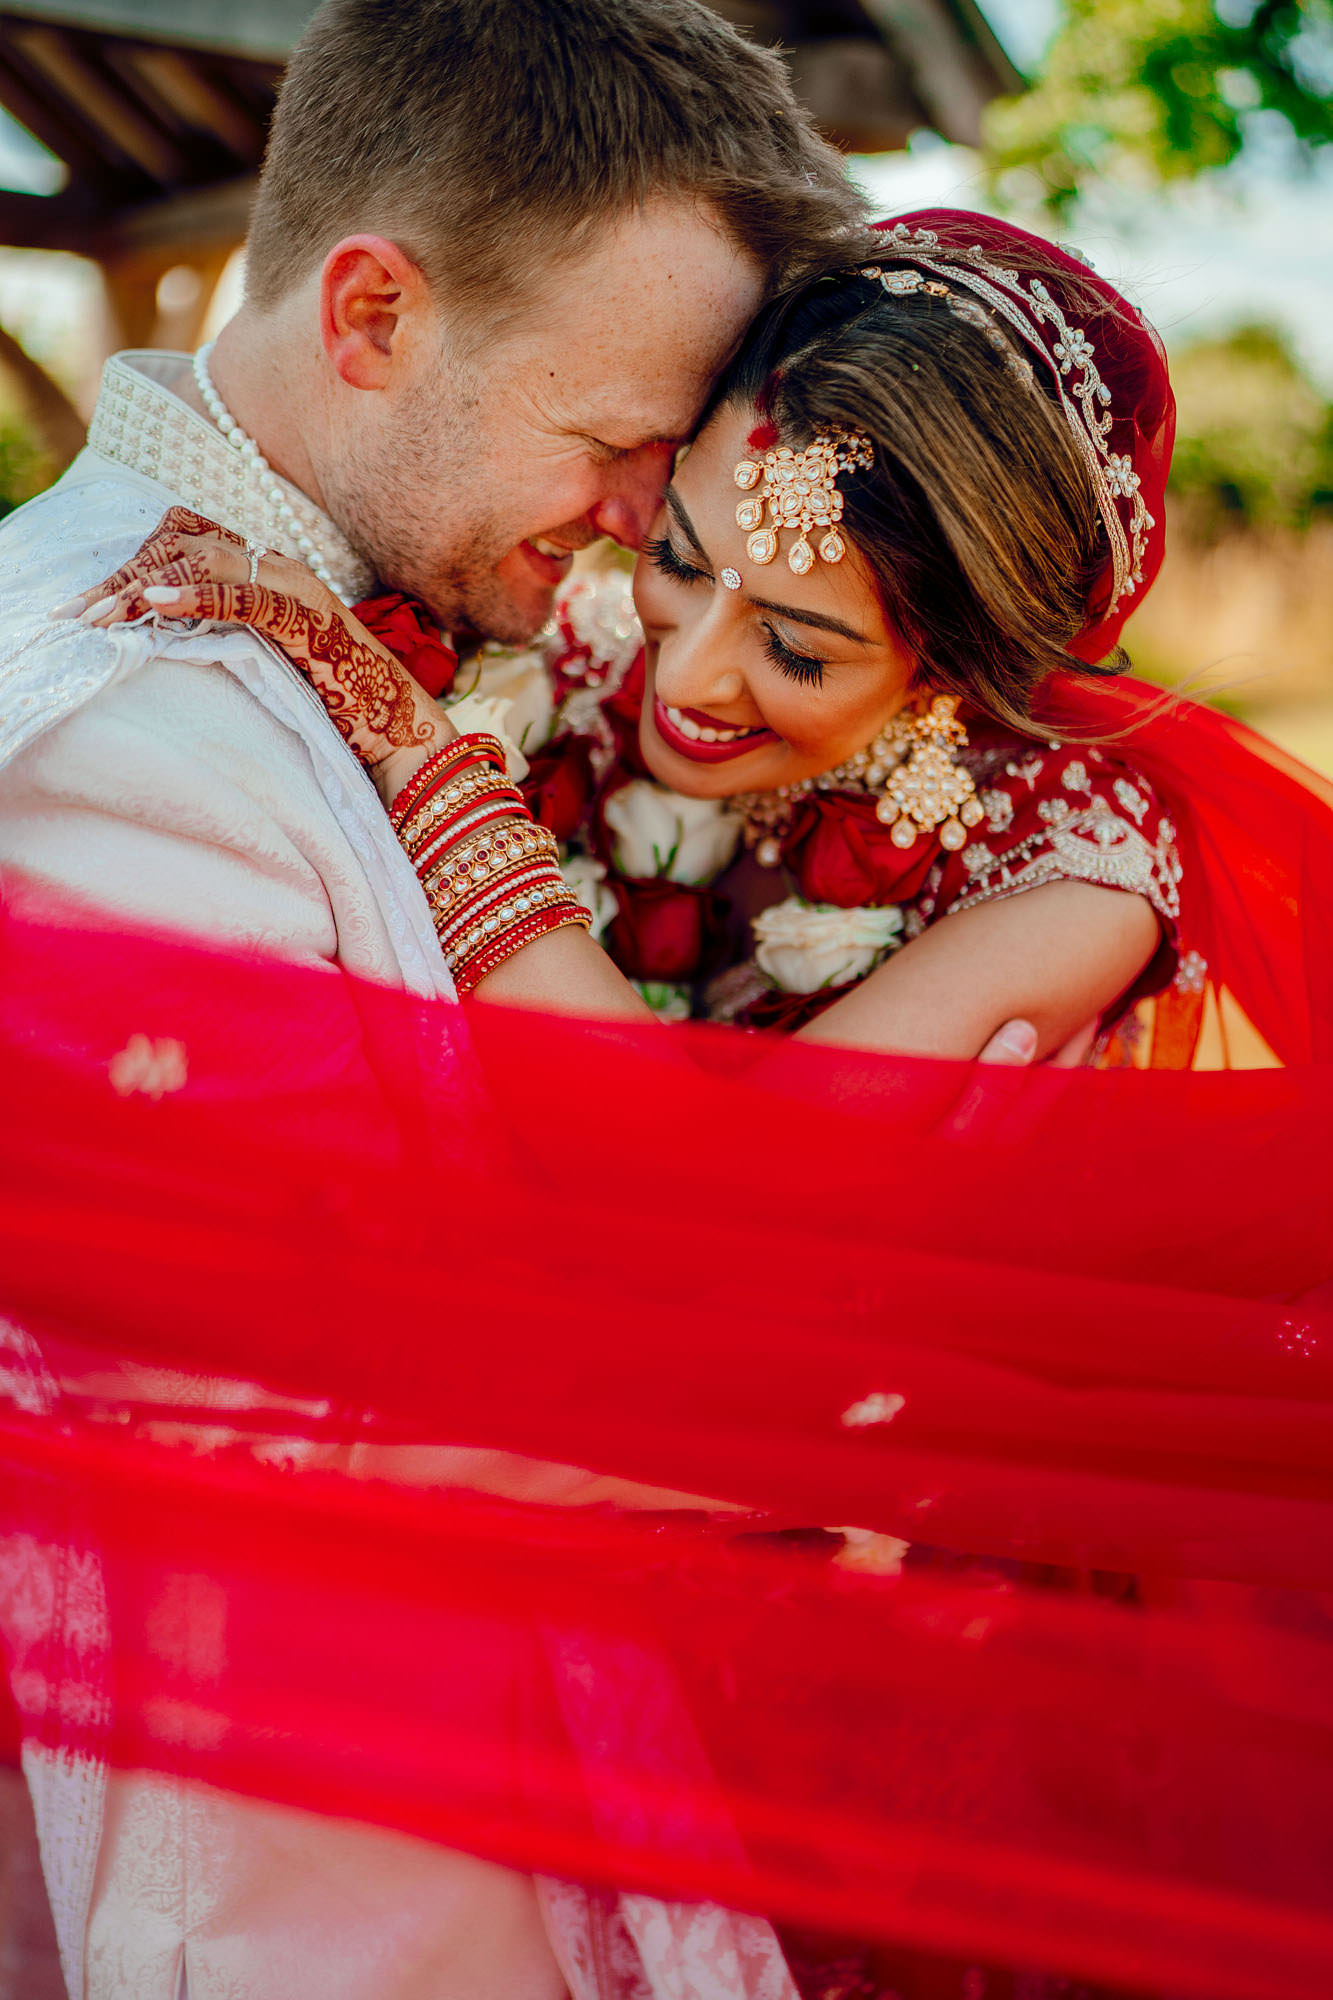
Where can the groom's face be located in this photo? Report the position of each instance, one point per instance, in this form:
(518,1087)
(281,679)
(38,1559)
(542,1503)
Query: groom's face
(499,461)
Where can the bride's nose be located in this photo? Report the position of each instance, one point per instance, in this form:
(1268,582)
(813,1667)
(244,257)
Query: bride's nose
(693,671)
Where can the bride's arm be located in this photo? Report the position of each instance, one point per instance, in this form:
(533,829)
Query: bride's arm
(1058,956)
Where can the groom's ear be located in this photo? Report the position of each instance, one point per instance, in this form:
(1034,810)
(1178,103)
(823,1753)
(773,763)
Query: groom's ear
(368,288)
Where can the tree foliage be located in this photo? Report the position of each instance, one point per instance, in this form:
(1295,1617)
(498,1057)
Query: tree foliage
(1254,438)
(1164,89)
(25,468)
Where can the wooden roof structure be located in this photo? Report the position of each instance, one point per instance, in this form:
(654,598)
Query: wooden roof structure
(159,108)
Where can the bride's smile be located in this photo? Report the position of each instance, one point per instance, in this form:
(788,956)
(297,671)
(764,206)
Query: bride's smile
(756,678)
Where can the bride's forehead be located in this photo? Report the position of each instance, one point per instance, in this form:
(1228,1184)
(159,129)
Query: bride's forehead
(706,465)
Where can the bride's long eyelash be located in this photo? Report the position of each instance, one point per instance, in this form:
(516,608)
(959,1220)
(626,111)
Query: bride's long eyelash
(803,667)
(662,556)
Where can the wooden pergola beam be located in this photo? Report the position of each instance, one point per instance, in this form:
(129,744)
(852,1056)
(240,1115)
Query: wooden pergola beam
(264,30)
(111,114)
(952,59)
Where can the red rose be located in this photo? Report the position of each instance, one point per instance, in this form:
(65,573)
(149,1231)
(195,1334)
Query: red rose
(667,930)
(406,628)
(622,710)
(840,853)
(559,785)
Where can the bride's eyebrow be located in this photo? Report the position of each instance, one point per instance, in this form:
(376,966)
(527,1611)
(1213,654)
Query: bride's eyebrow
(816,619)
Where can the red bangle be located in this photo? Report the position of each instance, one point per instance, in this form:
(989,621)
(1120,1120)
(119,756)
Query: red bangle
(494,854)
(465,752)
(458,794)
(463,831)
(453,926)
(560,917)
(463,932)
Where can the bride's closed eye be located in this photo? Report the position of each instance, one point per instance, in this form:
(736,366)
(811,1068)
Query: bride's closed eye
(665,558)
(802,667)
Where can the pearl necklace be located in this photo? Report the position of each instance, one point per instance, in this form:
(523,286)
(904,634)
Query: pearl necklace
(288,521)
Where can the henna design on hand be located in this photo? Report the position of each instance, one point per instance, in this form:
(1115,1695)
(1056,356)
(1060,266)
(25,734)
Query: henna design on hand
(370,697)
(166,545)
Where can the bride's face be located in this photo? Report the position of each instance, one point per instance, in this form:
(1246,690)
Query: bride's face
(756,687)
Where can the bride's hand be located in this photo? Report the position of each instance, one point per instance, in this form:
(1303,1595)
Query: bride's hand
(191,568)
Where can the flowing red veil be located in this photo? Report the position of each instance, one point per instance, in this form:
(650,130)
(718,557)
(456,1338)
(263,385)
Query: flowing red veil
(1051,1318)
(289,1261)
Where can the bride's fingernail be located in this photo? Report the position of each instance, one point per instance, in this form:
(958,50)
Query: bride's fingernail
(163,593)
(96,610)
(70,610)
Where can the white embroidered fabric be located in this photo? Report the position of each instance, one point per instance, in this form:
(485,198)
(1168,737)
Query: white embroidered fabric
(624,1711)
(83,528)
(54,1613)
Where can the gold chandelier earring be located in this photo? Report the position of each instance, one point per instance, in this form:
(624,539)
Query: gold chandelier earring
(930,788)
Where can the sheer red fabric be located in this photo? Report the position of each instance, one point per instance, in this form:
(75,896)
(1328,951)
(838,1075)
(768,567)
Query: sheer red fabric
(289,1262)
(1033,1317)
(1256,841)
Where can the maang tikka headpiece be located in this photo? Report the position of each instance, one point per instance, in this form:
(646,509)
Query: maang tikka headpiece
(799,491)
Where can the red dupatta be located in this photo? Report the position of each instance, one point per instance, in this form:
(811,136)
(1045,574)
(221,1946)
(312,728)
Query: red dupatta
(1045,1317)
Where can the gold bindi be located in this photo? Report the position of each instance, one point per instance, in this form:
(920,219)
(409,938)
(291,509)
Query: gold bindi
(799,490)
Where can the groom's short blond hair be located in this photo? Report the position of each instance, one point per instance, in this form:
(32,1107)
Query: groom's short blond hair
(489,137)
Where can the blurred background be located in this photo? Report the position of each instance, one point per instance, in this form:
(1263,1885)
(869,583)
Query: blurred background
(1182,145)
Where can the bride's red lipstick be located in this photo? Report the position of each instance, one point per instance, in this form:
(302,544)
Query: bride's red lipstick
(667,724)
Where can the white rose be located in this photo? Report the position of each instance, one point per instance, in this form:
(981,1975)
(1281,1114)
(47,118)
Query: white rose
(491,717)
(659,832)
(586,876)
(499,673)
(804,947)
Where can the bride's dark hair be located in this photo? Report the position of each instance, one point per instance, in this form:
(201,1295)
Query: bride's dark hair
(978,518)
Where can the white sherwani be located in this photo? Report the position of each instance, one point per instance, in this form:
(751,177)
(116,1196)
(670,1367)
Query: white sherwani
(193,780)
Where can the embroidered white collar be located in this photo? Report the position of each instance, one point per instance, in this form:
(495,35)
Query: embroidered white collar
(143,425)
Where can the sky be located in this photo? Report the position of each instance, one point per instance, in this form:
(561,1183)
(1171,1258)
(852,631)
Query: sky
(1253,242)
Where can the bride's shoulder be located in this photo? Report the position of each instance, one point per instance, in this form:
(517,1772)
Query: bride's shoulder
(1054,809)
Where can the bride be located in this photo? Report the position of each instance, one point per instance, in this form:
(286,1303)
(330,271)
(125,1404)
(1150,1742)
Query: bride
(865,693)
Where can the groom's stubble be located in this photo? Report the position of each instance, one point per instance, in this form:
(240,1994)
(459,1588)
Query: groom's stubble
(402,500)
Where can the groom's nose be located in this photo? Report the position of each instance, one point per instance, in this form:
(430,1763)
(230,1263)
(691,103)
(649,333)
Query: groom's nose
(633,493)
